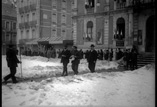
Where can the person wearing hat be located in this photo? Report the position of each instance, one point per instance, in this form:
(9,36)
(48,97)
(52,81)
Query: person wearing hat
(91,59)
(65,55)
(75,56)
(12,61)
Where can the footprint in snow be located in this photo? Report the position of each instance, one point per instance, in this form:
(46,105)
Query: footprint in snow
(23,103)
(33,98)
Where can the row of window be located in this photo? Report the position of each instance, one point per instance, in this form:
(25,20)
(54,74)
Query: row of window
(54,18)
(27,2)
(54,32)
(28,17)
(8,25)
(28,34)
(9,37)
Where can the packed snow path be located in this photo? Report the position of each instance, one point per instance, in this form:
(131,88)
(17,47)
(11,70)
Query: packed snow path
(128,88)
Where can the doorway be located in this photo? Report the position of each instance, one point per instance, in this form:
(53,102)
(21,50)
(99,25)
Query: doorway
(150,34)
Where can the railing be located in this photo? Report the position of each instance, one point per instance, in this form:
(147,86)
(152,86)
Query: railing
(27,25)
(33,7)
(21,25)
(32,23)
(120,4)
(27,9)
(21,10)
(119,43)
(90,10)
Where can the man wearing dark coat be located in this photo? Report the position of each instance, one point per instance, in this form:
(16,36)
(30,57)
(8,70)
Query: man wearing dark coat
(92,57)
(133,59)
(75,55)
(12,61)
(65,55)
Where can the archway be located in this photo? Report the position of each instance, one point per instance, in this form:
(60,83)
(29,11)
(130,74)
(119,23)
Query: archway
(150,34)
(120,29)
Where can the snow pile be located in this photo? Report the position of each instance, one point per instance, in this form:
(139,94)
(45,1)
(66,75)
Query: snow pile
(123,89)
(36,67)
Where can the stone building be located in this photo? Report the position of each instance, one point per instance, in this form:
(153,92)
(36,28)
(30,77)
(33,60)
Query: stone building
(9,34)
(44,22)
(114,24)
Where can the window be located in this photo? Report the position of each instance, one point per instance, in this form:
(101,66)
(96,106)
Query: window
(22,19)
(22,35)
(64,5)
(27,17)
(54,3)
(14,38)
(7,38)
(89,31)
(7,26)
(3,24)
(33,33)
(27,34)
(63,18)
(54,18)
(54,32)
(63,32)
(14,26)
(33,16)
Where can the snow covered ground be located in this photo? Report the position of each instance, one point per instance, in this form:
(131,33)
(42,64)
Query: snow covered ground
(127,88)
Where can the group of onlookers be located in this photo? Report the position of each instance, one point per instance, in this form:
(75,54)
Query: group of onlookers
(129,55)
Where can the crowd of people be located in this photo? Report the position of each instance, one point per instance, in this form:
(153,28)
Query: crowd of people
(129,56)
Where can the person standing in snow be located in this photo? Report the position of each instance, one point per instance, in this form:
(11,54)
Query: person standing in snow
(133,59)
(75,56)
(65,55)
(92,57)
(12,61)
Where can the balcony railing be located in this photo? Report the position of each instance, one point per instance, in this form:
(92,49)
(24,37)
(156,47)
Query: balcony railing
(21,10)
(33,7)
(32,23)
(27,25)
(27,9)
(120,4)
(119,43)
(21,25)
(90,10)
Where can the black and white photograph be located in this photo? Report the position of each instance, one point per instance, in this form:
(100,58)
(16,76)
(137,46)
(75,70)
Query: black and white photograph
(78,53)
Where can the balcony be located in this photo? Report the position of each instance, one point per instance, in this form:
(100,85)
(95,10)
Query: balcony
(21,10)
(33,23)
(136,4)
(119,43)
(27,25)
(90,10)
(33,7)
(21,25)
(27,9)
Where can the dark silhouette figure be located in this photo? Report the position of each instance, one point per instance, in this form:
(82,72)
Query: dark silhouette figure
(65,55)
(12,61)
(92,57)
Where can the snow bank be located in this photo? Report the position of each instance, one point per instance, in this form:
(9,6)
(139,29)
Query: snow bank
(36,67)
(123,89)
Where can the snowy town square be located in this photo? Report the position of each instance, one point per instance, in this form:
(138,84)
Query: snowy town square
(88,53)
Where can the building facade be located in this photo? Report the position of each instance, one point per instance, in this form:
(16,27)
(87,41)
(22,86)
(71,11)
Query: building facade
(9,31)
(44,22)
(114,24)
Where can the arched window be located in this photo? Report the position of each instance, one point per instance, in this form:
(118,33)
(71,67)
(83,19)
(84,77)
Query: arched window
(120,32)
(89,31)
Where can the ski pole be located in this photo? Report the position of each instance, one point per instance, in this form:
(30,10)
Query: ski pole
(21,61)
